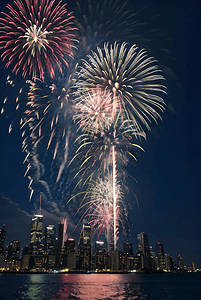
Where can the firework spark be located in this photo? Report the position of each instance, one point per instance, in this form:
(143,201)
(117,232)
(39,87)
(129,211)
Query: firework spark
(37,36)
(100,212)
(93,111)
(94,151)
(46,122)
(132,76)
(99,154)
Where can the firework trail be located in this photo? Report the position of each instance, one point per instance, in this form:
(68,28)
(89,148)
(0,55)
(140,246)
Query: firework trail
(99,212)
(47,124)
(44,115)
(37,36)
(64,221)
(135,81)
(101,138)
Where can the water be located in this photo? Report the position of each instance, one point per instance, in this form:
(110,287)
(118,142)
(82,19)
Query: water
(101,286)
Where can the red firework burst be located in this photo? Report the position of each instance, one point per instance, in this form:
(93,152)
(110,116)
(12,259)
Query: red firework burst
(37,36)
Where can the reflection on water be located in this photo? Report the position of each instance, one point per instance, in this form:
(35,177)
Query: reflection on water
(39,286)
(100,286)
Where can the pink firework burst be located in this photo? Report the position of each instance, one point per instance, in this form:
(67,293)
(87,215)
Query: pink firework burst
(93,111)
(101,220)
(37,36)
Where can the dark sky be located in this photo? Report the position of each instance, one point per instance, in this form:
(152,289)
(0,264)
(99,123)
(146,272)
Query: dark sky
(168,173)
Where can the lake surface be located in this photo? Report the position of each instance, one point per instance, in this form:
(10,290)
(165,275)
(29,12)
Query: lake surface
(101,286)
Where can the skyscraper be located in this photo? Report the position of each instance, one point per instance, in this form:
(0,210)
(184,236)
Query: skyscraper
(2,239)
(169,263)
(83,259)
(69,259)
(143,246)
(60,236)
(160,257)
(12,255)
(2,243)
(128,248)
(36,234)
(99,245)
(50,235)
(180,262)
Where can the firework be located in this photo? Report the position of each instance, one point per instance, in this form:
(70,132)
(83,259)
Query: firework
(100,212)
(37,36)
(64,221)
(94,151)
(102,21)
(46,125)
(99,154)
(132,76)
(93,111)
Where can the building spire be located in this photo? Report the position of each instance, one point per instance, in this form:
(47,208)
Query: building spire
(40,203)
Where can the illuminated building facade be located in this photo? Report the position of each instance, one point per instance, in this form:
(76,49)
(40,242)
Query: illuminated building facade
(99,245)
(127,257)
(50,236)
(58,246)
(2,239)
(143,245)
(101,257)
(12,262)
(102,260)
(180,262)
(60,236)
(169,263)
(160,261)
(41,263)
(143,248)
(128,249)
(83,257)
(69,259)
(36,234)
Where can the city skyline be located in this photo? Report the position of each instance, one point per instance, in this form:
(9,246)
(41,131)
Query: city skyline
(39,238)
(168,173)
(48,253)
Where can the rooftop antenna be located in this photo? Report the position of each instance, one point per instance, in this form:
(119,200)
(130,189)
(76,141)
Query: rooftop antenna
(40,203)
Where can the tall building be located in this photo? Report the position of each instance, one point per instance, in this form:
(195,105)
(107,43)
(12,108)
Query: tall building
(69,259)
(160,261)
(36,235)
(152,252)
(143,245)
(69,245)
(60,236)
(59,246)
(143,248)
(127,257)
(13,256)
(152,259)
(128,248)
(180,262)
(50,235)
(99,245)
(102,259)
(2,239)
(169,263)
(83,258)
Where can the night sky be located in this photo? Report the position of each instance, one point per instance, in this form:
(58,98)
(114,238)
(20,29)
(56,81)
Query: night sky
(168,173)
